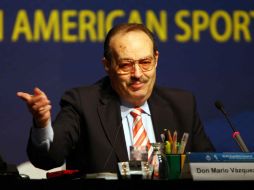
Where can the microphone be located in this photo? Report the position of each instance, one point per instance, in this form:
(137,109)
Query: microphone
(236,134)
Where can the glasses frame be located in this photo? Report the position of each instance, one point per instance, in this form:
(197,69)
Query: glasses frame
(133,63)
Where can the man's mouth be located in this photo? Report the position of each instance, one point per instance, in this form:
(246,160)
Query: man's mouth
(136,85)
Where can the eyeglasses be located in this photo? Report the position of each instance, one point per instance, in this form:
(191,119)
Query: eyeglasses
(125,66)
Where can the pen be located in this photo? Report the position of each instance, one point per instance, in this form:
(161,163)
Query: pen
(174,145)
(162,137)
(165,131)
(170,137)
(183,143)
(167,147)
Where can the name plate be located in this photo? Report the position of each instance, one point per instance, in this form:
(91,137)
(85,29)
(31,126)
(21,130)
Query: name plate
(221,166)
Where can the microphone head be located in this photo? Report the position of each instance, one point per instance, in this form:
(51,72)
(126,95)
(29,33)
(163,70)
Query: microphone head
(218,105)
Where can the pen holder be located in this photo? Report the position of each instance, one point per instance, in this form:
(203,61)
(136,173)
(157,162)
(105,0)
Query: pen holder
(175,165)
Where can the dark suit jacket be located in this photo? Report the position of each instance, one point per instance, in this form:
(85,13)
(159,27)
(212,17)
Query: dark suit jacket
(88,131)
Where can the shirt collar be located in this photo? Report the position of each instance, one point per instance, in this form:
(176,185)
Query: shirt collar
(127,108)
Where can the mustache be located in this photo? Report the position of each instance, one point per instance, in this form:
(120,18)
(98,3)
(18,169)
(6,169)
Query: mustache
(135,79)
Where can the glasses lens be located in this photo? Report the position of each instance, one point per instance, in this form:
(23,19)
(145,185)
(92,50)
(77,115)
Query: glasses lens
(146,64)
(127,66)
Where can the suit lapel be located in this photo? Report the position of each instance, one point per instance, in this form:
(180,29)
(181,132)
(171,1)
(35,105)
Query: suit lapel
(162,115)
(109,113)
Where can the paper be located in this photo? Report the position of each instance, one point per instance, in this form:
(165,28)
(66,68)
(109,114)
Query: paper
(222,171)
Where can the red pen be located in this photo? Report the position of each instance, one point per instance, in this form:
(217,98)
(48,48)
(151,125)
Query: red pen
(170,137)
(174,144)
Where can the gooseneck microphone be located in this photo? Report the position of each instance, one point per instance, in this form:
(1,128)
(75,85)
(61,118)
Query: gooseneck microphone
(236,134)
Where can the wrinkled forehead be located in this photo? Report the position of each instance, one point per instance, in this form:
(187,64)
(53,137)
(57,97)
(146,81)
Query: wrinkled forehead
(133,44)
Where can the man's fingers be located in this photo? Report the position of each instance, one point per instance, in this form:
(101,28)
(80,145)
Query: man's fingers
(39,100)
(40,104)
(24,96)
(38,91)
(42,115)
(44,109)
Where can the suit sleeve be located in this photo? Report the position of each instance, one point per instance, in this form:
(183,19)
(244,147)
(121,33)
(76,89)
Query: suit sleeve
(66,129)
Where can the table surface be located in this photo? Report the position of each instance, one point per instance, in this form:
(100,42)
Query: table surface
(130,184)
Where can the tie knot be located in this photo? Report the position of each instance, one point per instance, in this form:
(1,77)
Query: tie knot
(136,112)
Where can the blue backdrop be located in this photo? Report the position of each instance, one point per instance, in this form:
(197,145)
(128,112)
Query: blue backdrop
(205,47)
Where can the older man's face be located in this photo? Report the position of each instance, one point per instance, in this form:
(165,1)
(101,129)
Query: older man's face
(133,66)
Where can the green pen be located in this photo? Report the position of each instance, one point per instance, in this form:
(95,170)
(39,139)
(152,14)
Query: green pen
(178,146)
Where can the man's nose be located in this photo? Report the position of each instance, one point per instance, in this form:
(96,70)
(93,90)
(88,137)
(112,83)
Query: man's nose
(137,71)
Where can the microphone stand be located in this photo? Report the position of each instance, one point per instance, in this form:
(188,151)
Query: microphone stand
(236,134)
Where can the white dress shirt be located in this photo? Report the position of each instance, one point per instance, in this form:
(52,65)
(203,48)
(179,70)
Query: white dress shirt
(42,137)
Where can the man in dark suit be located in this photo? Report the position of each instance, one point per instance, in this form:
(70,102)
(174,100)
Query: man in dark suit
(92,131)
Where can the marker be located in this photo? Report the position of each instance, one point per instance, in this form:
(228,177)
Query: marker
(165,132)
(170,137)
(167,147)
(183,143)
(174,148)
(163,137)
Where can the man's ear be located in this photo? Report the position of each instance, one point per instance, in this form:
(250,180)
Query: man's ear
(106,64)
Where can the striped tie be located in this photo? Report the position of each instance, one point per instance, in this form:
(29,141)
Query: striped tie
(140,137)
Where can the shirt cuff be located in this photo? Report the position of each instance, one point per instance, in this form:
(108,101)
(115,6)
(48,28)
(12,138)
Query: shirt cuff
(42,137)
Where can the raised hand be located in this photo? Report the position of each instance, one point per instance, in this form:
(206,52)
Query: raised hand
(39,105)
